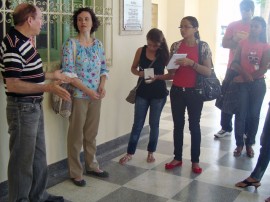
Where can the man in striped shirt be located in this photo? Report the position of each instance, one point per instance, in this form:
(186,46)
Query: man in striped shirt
(21,67)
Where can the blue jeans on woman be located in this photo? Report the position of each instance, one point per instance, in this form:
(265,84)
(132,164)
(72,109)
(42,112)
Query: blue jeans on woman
(182,99)
(251,97)
(27,167)
(141,108)
(264,156)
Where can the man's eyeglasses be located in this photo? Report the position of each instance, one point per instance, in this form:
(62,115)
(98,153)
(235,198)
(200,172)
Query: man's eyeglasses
(185,27)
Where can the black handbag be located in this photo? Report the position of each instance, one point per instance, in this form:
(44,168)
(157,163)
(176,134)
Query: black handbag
(208,88)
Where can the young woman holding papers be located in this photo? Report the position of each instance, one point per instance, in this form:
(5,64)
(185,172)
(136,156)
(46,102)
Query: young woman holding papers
(183,95)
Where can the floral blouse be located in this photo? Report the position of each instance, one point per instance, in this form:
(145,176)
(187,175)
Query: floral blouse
(89,66)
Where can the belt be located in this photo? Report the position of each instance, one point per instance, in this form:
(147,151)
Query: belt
(25,99)
(183,89)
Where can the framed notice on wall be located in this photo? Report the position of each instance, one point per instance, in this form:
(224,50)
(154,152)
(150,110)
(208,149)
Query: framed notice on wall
(131,17)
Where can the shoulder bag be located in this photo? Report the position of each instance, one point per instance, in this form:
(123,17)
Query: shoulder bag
(208,87)
(59,105)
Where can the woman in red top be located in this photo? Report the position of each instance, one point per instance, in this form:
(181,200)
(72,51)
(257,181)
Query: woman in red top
(183,95)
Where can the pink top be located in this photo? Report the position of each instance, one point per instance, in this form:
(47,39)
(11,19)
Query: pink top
(251,54)
(231,30)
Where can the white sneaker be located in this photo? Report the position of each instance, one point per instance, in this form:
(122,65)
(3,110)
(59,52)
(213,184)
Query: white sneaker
(222,133)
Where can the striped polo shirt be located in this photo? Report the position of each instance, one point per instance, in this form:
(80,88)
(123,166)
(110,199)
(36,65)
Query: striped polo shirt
(20,59)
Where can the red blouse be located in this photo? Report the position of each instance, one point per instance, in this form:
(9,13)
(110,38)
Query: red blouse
(185,76)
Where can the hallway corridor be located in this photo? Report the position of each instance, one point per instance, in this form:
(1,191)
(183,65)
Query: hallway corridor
(139,181)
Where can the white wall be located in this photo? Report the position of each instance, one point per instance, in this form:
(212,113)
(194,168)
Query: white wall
(162,15)
(206,15)
(208,19)
(175,14)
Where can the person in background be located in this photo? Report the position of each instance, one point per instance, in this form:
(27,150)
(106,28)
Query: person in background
(251,60)
(183,95)
(235,32)
(21,67)
(90,67)
(263,159)
(151,94)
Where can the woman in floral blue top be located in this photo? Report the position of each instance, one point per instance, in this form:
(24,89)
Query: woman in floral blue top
(92,72)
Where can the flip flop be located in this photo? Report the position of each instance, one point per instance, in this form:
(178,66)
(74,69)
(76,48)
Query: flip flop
(150,158)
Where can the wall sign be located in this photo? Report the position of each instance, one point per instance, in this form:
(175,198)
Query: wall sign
(131,17)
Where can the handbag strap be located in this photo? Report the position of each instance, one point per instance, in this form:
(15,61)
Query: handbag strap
(74,50)
(141,79)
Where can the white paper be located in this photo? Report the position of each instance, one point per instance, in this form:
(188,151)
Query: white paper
(148,73)
(172,64)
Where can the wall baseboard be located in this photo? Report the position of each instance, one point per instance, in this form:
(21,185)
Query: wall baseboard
(58,172)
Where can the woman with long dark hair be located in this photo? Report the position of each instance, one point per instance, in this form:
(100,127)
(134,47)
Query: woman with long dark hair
(151,94)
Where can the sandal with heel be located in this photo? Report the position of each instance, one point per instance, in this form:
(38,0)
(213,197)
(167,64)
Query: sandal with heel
(125,159)
(245,183)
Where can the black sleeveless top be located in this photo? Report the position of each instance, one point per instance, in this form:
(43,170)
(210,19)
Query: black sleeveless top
(156,89)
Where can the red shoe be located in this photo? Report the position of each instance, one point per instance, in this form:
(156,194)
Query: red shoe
(169,166)
(197,170)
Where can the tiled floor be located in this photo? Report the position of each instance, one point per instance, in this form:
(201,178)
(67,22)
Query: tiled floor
(139,181)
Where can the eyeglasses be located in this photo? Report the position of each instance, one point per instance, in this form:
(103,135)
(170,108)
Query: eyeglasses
(185,27)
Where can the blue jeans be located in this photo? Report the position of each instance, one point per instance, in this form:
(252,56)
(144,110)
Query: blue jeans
(251,96)
(180,100)
(264,156)
(226,121)
(141,108)
(27,167)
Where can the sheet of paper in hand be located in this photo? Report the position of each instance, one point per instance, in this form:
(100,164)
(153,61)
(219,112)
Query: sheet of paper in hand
(172,64)
(149,73)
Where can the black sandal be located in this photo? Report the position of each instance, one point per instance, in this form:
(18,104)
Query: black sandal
(245,183)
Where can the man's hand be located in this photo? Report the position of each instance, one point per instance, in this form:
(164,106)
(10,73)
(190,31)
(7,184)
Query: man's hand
(240,36)
(55,88)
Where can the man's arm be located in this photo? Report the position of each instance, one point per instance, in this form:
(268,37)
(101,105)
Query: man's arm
(231,42)
(16,85)
(57,75)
